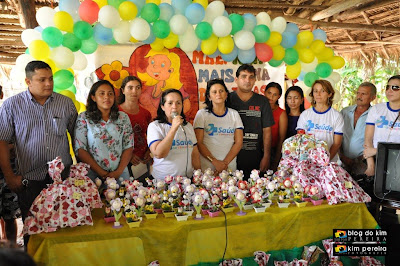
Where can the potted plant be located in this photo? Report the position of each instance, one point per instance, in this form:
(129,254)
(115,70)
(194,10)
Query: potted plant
(108,214)
(149,211)
(131,218)
(116,205)
(227,205)
(315,195)
(213,210)
(198,202)
(167,210)
(240,199)
(257,202)
(181,215)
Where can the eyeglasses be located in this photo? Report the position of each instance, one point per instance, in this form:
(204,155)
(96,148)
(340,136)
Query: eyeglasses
(393,87)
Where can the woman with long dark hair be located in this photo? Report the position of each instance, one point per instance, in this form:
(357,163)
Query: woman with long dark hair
(171,139)
(294,105)
(103,135)
(219,129)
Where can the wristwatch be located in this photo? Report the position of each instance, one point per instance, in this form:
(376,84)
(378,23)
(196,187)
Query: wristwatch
(25,182)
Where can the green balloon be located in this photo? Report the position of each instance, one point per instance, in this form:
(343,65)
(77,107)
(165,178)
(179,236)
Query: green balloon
(203,30)
(291,56)
(150,12)
(27,51)
(55,89)
(63,79)
(72,42)
(237,22)
(275,63)
(72,88)
(115,3)
(113,41)
(161,29)
(323,70)
(310,78)
(262,33)
(89,46)
(52,36)
(83,30)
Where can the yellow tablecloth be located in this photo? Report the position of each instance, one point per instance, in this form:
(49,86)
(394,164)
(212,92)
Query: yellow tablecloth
(185,243)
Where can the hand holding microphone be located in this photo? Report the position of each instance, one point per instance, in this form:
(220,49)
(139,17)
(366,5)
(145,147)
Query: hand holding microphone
(174,115)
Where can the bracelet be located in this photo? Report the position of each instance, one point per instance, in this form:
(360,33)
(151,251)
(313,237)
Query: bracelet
(210,158)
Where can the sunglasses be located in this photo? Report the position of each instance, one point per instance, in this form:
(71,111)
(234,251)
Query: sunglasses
(393,87)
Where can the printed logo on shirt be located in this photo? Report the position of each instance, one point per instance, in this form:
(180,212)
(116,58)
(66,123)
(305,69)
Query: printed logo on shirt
(218,131)
(382,122)
(181,144)
(318,127)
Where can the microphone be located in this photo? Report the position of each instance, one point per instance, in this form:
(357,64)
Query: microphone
(175,114)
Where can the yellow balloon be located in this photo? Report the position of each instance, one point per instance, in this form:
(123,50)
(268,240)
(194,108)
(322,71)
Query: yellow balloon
(304,39)
(274,39)
(325,55)
(157,2)
(171,41)
(210,45)
(63,21)
(77,105)
(101,3)
(157,45)
(336,62)
(204,3)
(279,52)
(127,10)
(39,49)
(133,40)
(69,94)
(317,46)
(293,71)
(82,107)
(226,44)
(306,55)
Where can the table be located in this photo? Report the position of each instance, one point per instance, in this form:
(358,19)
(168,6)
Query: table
(186,243)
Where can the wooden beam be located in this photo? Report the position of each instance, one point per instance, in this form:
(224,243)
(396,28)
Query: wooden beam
(17,43)
(10,33)
(27,14)
(5,37)
(275,5)
(8,60)
(13,28)
(369,23)
(9,21)
(290,11)
(367,42)
(353,12)
(3,54)
(336,8)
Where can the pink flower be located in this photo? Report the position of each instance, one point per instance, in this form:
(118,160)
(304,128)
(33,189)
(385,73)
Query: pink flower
(106,162)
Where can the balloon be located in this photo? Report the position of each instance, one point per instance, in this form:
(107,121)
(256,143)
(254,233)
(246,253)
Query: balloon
(291,56)
(166,11)
(263,51)
(68,93)
(203,30)
(102,35)
(151,37)
(213,10)
(244,40)
(188,41)
(231,56)
(289,39)
(114,3)
(127,10)
(317,46)
(72,42)
(140,29)
(39,49)
(274,39)
(178,24)
(171,41)
(195,13)
(209,46)
(325,55)
(157,2)
(22,60)
(63,79)
(71,7)
(82,107)
(89,46)
(51,64)
(139,4)
(215,54)
(279,52)
(150,12)
(275,63)
(293,71)
(80,61)
(222,26)
(89,11)
(30,35)
(247,56)
(319,35)
(250,21)
(237,22)
(108,16)
(226,44)
(323,70)
(157,45)
(335,77)
(278,24)
(62,57)
(204,3)
(309,67)
(121,32)
(45,16)
(304,39)
(83,30)
(310,78)
(161,29)
(263,19)
(261,33)
(293,28)
(306,55)
(63,21)
(336,62)
(101,3)
(180,6)
(52,36)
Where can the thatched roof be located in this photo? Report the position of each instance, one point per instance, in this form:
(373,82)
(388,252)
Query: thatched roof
(356,29)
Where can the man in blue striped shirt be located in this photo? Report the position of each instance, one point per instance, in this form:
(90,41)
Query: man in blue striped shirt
(37,121)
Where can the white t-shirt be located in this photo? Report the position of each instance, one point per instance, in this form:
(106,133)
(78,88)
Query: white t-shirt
(179,158)
(322,125)
(382,117)
(219,134)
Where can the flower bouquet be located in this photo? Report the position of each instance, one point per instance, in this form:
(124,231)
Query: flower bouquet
(198,202)
(298,196)
(227,205)
(149,211)
(131,218)
(167,210)
(257,202)
(315,196)
(240,200)
(116,205)
(214,206)
(283,198)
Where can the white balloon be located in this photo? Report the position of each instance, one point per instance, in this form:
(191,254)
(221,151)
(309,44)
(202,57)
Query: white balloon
(244,40)
(213,10)
(278,24)
(139,29)
(309,67)
(109,16)
(335,77)
(121,32)
(188,41)
(22,61)
(44,16)
(305,89)
(62,57)
(80,62)
(178,24)
(30,35)
(222,26)
(264,19)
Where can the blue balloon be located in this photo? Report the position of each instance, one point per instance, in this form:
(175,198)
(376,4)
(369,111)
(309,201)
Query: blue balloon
(39,29)
(102,35)
(195,13)
(215,54)
(319,35)
(291,27)
(250,21)
(289,39)
(231,56)
(225,14)
(166,11)
(151,37)
(301,76)
(199,47)
(180,6)
(139,4)
(71,7)
(247,56)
